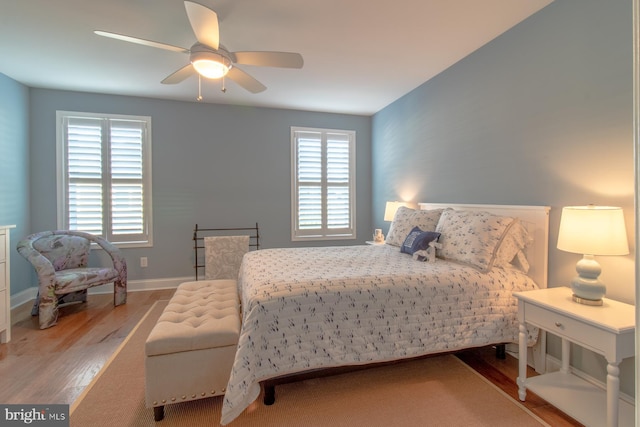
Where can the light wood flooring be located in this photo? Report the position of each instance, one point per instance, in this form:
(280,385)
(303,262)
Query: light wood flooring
(54,365)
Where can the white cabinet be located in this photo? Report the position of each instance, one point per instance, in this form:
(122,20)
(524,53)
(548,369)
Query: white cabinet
(608,330)
(5,286)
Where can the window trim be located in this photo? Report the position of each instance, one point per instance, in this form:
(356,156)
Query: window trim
(61,179)
(296,235)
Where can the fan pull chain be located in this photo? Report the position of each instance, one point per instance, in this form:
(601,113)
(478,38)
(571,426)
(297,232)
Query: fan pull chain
(224,88)
(199,98)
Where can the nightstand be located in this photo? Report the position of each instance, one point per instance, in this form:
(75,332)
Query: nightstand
(608,330)
(371,242)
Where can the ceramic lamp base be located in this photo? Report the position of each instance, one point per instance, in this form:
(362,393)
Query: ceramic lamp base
(586,301)
(586,287)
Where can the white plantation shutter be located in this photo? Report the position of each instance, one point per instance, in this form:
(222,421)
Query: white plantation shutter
(338,181)
(323,184)
(84,175)
(127,210)
(309,176)
(105,176)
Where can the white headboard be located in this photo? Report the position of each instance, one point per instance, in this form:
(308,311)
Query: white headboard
(534,218)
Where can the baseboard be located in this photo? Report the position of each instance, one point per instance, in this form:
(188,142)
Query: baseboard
(23,297)
(28,295)
(144,285)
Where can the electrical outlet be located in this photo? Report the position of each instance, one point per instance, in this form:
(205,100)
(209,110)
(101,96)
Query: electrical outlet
(143,261)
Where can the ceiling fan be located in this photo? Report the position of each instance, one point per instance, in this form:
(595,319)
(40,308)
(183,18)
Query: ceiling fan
(208,58)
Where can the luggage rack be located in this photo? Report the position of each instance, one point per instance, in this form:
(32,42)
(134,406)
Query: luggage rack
(200,233)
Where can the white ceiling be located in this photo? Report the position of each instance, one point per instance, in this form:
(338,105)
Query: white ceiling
(360,55)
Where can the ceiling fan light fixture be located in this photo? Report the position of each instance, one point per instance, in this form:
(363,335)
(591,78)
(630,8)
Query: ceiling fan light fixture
(210,64)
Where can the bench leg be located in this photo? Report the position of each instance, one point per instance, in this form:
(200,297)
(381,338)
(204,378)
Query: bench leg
(269,394)
(158,413)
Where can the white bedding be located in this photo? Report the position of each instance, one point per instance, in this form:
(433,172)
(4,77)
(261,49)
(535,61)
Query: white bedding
(310,308)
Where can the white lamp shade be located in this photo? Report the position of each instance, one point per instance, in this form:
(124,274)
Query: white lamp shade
(593,230)
(391,208)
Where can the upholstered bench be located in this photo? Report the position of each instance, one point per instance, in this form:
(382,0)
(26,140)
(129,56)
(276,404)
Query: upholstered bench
(190,351)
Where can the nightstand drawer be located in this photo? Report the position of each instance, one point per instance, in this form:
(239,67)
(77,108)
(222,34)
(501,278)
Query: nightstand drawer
(566,327)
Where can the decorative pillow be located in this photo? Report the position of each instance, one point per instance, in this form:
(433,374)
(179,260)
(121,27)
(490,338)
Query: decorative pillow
(418,240)
(471,237)
(406,218)
(515,241)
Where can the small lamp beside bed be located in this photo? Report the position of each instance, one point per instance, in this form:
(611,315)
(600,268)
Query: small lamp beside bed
(390,210)
(591,230)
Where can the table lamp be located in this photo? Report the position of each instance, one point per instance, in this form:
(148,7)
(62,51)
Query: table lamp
(591,230)
(391,208)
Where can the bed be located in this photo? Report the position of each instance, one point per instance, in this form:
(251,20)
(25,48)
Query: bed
(310,309)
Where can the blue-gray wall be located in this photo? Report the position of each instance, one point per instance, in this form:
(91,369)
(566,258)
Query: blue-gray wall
(540,116)
(214,165)
(14,171)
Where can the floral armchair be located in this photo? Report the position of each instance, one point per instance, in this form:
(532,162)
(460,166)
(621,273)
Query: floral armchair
(60,259)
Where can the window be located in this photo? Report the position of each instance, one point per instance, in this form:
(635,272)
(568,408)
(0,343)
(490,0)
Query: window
(323,184)
(104,176)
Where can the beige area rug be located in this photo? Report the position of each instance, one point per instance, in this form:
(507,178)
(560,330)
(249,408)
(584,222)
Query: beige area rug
(435,391)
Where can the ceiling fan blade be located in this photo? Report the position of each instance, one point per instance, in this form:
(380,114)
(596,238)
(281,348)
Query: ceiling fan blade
(269,59)
(179,75)
(245,80)
(204,22)
(141,41)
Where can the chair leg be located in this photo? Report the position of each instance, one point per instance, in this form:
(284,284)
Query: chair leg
(119,292)
(48,313)
(36,305)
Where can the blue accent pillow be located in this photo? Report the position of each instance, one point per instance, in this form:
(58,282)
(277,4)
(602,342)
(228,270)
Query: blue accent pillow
(418,240)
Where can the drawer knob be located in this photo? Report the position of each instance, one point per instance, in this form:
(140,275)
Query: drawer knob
(558,324)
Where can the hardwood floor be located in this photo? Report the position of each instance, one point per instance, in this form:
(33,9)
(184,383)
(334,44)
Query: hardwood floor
(54,365)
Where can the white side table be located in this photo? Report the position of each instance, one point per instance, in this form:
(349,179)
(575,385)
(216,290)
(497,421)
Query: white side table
(608,330)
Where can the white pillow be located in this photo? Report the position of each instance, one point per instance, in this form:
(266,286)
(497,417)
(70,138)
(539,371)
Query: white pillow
(471,237)
(406,218)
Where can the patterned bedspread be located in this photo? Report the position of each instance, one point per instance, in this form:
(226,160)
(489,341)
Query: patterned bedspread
(310,308)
